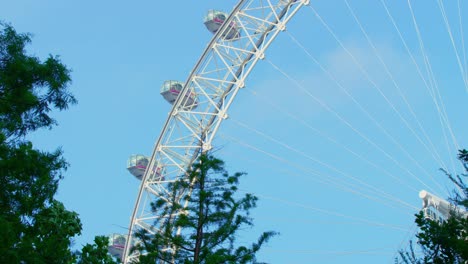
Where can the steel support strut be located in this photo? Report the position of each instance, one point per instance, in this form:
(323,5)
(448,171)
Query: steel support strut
(216,79)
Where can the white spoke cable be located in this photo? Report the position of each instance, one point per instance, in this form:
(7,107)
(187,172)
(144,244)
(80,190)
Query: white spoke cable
(304,219)
(372,252)
(449,31)
(431,75)
(460,64)
(443,117)
(433,150)
(316,209)
(402,207)
(284,145)
(447,129)
(444,121)
(339,117)
(460,21)
(327,137)
(405,241)
(333,78)
(392,106)
(418,69)
(324,179)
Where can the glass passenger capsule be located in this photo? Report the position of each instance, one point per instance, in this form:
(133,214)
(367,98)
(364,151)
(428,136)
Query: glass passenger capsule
(170,90)
(137,164)
(214,20)
(116,245)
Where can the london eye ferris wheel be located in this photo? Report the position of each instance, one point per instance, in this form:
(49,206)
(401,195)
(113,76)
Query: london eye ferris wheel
(202,103)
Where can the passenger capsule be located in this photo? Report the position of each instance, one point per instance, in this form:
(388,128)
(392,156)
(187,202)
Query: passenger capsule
(215,19)
(170,90)
(116,245)
(137,164)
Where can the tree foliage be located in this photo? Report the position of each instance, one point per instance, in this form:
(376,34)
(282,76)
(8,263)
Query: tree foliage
(34,226)
(29,88)
(96,253)
(447,241)
(209,223)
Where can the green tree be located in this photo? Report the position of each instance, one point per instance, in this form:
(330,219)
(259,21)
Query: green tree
(208,225)
(447,241)
(96,253)
(29,88)
(34,226)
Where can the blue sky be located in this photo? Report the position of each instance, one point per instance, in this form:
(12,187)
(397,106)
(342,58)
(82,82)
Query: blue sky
(323,156)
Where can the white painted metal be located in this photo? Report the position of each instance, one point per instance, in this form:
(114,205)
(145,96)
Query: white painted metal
(137,164)
(116,244)
(437,208)
(216,79)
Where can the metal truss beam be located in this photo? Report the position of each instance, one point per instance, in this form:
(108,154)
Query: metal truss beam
(216,79)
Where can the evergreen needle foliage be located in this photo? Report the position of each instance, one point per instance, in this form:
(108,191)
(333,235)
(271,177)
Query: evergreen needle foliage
(201,228)
(443,242)
(96,253)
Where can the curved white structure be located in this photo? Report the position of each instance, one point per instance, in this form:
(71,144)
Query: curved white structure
(137,165)
(216,79)
(437,208)
(214,20)
(116,245)
(170,90)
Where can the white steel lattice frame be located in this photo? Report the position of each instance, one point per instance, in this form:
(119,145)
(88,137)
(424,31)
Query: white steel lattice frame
(216,79)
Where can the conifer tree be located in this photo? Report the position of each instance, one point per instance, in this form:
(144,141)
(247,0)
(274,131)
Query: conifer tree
(443,242)
(208,226)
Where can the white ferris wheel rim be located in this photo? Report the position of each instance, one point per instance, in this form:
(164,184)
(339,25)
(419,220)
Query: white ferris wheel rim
(271,25)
